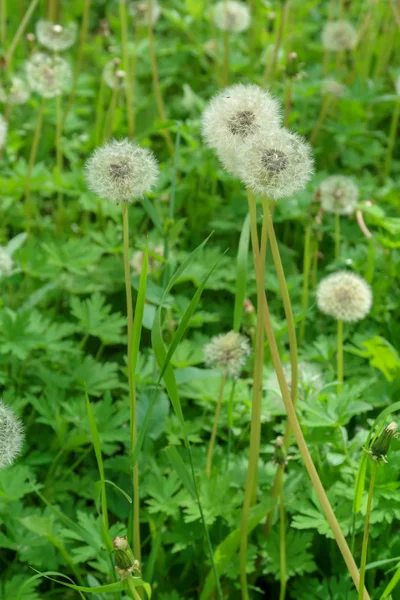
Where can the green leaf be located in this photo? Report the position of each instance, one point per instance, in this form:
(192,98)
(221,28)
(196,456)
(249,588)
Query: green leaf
(179,466)
(96,319)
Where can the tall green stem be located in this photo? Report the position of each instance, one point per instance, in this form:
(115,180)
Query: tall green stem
(306,282)
(3,22)
(364,549)
(127,68)
(132,589)
(59,163)
(325,106)
(282,537)
(302,445)
(31,163)
(337,236)
(269,73)
(20,31)
(132,394)
(79,60)
(340,355)
(392,137)
(255,432)
(110,116)
(215,426)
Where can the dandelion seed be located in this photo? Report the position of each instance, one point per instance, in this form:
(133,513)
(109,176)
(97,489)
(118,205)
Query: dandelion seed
(48,75)
(333,88)
(3,131)
(140,10)
(121,171)
(227,352)
(345,296)
(113,75)
(6,262)
(153,263)
(339,194)
(338,36)
(16,92)
(277,164)
(11,436)
(56,37)
(231,16)
(236,114)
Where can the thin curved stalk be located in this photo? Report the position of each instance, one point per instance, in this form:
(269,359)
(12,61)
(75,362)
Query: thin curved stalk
(110,116)
(306,282)
(392,138)
(340,355)
(3,22)
(302,445)
(269,73)
(255,432)
(337,236)
(59,162)
(20,31)
(215,426)
(132,394)
(156,79)
(31,163)
(288,100)
(127,68)
(226,61)
(132,589)
(364,549)
(79,60)
(282,538)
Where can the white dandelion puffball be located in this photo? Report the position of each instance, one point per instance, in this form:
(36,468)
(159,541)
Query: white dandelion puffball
(121,171)
(16,92)
(3,131)
(339,194)
(236,114)
(345,296)
(227,352)
(339,35)
(153,263)
(56,37)
(48,75)
(11,436)
(277,164)
(334,88)
(140,13)
(6,262)
(113,75)
(231,16)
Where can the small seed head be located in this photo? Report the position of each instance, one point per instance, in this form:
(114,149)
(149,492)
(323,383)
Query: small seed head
(15,91)
(11,436)
(54,36)
(227,352)
(48,75)
(231,16)
(140,12)
(339,194)
(338,36)
(345,296)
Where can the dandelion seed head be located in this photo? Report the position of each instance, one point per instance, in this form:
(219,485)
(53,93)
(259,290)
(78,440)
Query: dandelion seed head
(339,194)
(345,296)
(6,262)
(16,92)
(11,436)
(121,171)
(139,11)
(277,164)
(48,75)
(236,114)
(113,76)
(3,131)
(338,36)
(231,16)
(333,87)
(227,352)
(153,263)
(54,36)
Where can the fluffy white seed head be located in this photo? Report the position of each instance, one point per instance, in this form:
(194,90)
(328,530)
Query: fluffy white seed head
(153,263)
(333,87)
(113,75)
(345,296)
(231,16)
(121,171)
(140,12)
(339,194)
(277,164)
(11,436)
(3,131)
(16,92)
(236,114)
(227,352)
(339,35)
(6,262)
(56,37)
(48,75)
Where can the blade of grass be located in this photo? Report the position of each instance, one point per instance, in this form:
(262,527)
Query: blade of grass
(177,463)
(241,273)
(39,575)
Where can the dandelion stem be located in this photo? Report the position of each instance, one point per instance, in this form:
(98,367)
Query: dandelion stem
(255,432)
(326,104)
(31,162)
(306,280)
(20,32)
(288,100)
(226,61)
(99,112)
(269,73)
(392,137)
(79,60)
(126,66)
(282,533)
(132,392)
(59,163)
(340,355)
(132,588)
(364,549)
(3,22)
(337,236)
(302,445)
(230,420)
(215,426)
(110,116)
(156,80)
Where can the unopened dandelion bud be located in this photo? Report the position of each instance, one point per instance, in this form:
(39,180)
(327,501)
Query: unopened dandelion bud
(231,16)
(279,457)
(338,36)
(271,21)
(125,562)
(30,37)
(54,36)
(345,296)
(292,65)
(380,447)
(11,436)
(227,352)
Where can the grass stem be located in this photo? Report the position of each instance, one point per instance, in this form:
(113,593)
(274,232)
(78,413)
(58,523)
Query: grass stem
(215,426)
(340,355)
(364,549)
